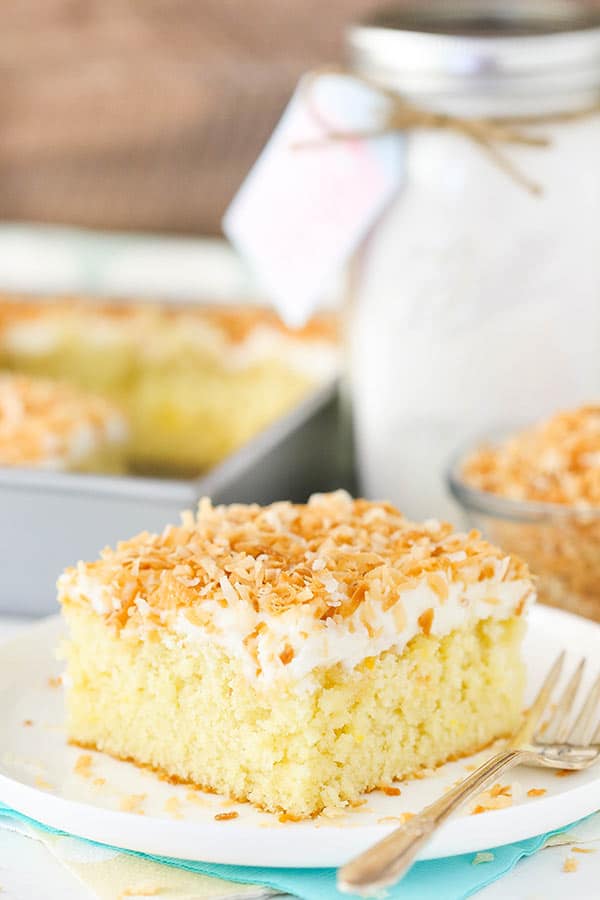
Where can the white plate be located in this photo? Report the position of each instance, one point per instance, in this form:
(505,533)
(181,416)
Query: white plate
(37,777)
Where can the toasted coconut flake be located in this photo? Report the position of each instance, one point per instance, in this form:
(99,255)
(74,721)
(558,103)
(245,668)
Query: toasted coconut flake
(425,621)
(286,655)
(288,817)
(536,792)
(438,583)
(497,797)
(41,421)
(555,462)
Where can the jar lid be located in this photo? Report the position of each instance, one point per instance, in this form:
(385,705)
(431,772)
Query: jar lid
(484,47)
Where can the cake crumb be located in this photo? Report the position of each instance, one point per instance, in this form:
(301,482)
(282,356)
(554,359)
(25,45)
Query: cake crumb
(536,792)
(423,772)
(132,803)
(141,890)
(483,858)
(27,723)
(226,816)
(173,807)
(195,797)
(55,682)
(570,864)
(43,784)
(335,812)
(83,766)
(499,796)
(500,790)
(98,782)
(400,820)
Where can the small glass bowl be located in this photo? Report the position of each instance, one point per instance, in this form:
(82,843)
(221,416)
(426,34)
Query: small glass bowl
(561,544)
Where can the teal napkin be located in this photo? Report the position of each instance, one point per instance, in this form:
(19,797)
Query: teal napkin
(452,878)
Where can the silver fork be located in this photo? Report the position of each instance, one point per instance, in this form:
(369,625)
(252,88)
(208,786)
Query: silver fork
(567,742)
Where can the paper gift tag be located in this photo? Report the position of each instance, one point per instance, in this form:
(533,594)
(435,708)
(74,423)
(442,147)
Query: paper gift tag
(310,199)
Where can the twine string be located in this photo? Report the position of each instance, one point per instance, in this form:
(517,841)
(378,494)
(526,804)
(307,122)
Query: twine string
(489,133)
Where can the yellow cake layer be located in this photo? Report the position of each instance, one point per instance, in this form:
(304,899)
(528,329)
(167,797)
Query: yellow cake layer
(194,715)
(182,419)
(192,419)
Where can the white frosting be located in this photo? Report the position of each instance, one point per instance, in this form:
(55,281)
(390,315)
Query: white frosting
(315,357)
(318,643)
(315,642)
(33,338)
(86,438)
(98,595)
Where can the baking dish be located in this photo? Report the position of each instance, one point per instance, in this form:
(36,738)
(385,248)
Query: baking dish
(49,520)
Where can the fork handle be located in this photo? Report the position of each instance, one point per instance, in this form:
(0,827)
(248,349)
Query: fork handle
(386,862)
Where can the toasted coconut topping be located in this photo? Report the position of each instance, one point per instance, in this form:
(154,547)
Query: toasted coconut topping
(557,461)
(49,423)
(290,588)
(138,320)
(331,556)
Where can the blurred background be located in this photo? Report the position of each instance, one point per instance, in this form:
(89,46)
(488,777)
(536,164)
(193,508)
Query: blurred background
(466,307)
(147,116)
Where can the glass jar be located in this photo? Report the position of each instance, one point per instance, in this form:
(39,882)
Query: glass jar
(476,301)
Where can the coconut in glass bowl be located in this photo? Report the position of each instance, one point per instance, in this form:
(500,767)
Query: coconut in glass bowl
(536,492)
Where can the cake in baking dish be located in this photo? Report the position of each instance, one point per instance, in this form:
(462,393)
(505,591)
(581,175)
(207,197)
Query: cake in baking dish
(52,425)
(195,382)
(295,655)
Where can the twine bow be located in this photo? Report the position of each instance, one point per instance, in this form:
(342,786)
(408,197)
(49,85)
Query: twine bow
(489,133)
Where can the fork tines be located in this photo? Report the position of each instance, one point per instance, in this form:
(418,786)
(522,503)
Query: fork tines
(563,727)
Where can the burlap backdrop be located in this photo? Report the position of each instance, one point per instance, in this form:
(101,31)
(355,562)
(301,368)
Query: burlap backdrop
(146,114)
